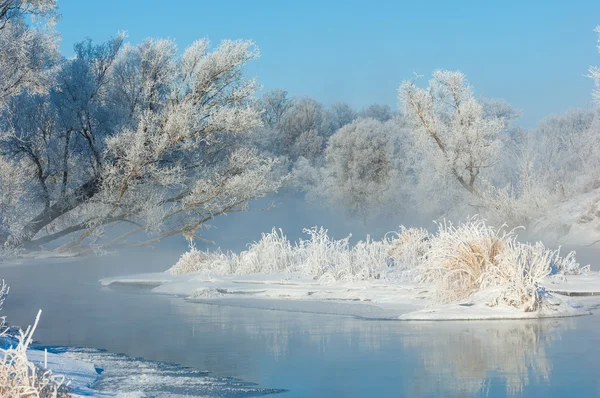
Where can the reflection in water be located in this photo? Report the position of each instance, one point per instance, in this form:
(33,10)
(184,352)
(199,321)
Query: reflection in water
(275,330)
(448,358)
(468,356)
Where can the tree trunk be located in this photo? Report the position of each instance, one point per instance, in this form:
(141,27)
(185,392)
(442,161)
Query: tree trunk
(78,197)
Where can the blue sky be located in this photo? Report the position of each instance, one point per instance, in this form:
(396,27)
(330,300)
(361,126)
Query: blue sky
(532,53)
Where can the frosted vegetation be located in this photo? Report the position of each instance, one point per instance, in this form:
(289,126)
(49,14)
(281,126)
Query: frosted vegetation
(455,262)
(141,136)
(131,144)
(19,377)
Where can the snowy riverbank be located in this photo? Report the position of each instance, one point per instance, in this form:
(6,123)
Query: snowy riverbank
(365,299)
(96,373)
(466,271)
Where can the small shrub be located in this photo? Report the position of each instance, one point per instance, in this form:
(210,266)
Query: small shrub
(196,260)
(410,246)
(473,256)
(19,377)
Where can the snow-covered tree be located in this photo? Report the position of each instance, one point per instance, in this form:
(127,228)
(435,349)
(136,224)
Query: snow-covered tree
(452,132)
(498,108)
(565,151)
(135,135)
(28,45)
(274,104)
(595,73)
(362,168)
(383,113)
(341,115)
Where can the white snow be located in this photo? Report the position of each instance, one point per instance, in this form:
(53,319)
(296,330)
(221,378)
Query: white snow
(476,308)
(79,374)
(575,285)
(366,299)
(127,377)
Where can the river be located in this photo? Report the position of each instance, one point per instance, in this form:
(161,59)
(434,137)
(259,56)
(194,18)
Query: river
(307,355)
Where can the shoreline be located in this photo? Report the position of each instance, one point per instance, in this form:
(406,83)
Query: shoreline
(369,300)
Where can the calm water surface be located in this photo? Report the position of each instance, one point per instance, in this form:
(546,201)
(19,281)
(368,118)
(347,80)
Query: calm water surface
(307,355)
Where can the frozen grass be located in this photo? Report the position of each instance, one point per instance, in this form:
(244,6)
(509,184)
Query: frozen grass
(272,253)
(408,250)
(474,256)
(329,260)
(318,257)
(455,262)
(19,377)
(4,289)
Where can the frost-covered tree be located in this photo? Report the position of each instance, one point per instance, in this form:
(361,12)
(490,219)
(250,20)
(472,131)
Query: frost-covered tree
(15,9)
(303,128)
(551,163)
(28,45)
(498,108)
(135,135)
(362,168)
(595,73)
(564,150)
(274,104)
(341,114)
(452,132)
(304,115)
(383,113)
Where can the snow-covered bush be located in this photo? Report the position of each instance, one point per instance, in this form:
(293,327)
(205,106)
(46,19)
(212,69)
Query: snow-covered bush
(457,261)
(474,256)
(517,272)
(409,247)
(319,257)
(459,256)
(196,260)
(19,377)
(272,253)
(327,259)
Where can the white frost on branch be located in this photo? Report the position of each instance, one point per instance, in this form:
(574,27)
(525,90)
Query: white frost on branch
(126,134)
(595,73)
(456,139)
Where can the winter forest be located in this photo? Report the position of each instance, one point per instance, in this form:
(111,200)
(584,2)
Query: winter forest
(158,141)
(133,144)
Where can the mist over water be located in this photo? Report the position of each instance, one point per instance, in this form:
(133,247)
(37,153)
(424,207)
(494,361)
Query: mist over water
(293,213)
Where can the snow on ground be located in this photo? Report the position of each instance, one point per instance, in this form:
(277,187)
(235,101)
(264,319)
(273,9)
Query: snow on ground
(476,308)
(288,292)
(371,299)
(101,374)
(125,377)
(80,375)
(575,285)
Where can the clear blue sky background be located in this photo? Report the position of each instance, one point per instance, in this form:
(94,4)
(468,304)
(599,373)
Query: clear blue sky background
(533,53)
